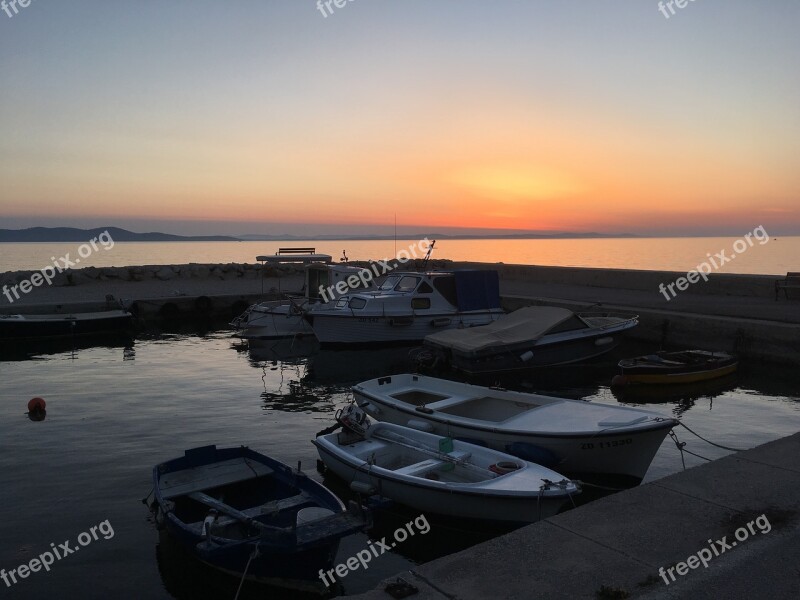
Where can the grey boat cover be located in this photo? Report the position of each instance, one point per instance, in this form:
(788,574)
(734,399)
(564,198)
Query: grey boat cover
(523,325)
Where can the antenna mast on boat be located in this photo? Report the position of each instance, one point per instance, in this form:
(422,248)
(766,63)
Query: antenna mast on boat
(428,255)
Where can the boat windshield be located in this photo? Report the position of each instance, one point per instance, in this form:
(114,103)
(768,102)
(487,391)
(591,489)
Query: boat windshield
(389,284)
(407,284)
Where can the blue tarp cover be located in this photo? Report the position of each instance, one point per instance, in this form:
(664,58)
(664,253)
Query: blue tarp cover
(477,290)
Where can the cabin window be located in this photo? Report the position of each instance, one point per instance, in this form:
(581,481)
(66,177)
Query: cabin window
(407,284)
(357,303)
(425,288)
(342,302)
(420,303)
(389,284)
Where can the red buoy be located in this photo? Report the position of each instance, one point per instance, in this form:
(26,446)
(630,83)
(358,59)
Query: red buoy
(36,404)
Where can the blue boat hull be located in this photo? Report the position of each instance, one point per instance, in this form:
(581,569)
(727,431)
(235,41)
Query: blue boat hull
(263,545)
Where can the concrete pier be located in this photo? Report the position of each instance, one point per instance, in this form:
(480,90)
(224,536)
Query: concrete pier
(616,547)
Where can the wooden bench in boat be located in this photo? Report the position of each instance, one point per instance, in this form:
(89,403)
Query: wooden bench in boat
(310,532)
(235,514)
(235,470)
(790,282)
(416,468)
(270,508)
(432,463)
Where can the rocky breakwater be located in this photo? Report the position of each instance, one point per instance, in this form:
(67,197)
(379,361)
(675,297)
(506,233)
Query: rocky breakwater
(89,275)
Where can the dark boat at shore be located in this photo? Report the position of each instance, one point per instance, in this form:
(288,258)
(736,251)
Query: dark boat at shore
(685,366)
(36,326)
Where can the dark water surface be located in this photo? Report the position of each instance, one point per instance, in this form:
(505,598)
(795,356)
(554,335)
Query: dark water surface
(114,412)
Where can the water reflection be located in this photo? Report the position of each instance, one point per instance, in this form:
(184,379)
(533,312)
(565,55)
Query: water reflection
(294,395)
(287,350)
(352,366)
(183,376)
(682,396)
(18,350)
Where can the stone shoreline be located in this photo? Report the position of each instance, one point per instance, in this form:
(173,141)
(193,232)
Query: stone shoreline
(152,281)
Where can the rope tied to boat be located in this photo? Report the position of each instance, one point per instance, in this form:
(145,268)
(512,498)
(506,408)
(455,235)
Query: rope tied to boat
(709,441)
(253,555)
(682,448)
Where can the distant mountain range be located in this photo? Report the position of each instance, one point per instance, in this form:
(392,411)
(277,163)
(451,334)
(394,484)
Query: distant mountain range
(438,236)
(72,234)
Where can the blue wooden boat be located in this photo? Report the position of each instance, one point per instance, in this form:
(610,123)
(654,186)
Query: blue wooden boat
(252,516)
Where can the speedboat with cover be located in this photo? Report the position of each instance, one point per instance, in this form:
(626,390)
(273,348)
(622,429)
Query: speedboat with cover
(534,336)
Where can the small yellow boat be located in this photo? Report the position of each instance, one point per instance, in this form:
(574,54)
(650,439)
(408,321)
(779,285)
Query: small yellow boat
(685,366)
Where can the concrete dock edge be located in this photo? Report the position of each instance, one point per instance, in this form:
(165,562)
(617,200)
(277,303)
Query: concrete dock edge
(615,546)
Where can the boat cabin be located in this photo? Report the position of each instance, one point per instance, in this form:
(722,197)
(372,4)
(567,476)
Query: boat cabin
(452,291)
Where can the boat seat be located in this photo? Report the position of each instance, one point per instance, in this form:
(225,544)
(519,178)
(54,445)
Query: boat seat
(271,507)
(205,477)
(459,454)
(425,465)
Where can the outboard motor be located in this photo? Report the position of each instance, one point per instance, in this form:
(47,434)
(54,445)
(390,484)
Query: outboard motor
(354,419)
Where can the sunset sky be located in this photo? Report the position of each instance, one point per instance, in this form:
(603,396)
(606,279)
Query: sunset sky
(263,116)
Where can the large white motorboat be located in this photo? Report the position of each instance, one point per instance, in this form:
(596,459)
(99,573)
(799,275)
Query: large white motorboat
(284,318)
(407,306)
(437,474)
(575,437)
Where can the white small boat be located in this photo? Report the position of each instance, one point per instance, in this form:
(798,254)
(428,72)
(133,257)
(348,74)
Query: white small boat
(581,439)
(277,319)
(534,336)
(435,474)
(408,306)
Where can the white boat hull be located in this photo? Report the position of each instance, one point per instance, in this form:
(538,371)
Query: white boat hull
(434,474)
(579,439)
(445,501)
(274,321)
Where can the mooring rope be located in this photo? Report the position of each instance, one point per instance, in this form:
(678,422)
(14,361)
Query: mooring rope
(253,555)
(709,441)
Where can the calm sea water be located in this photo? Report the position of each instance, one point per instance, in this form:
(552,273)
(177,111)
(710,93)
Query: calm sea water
(776,256)
(114,412)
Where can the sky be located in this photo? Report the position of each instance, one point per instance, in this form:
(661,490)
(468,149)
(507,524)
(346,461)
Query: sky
(267,117)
